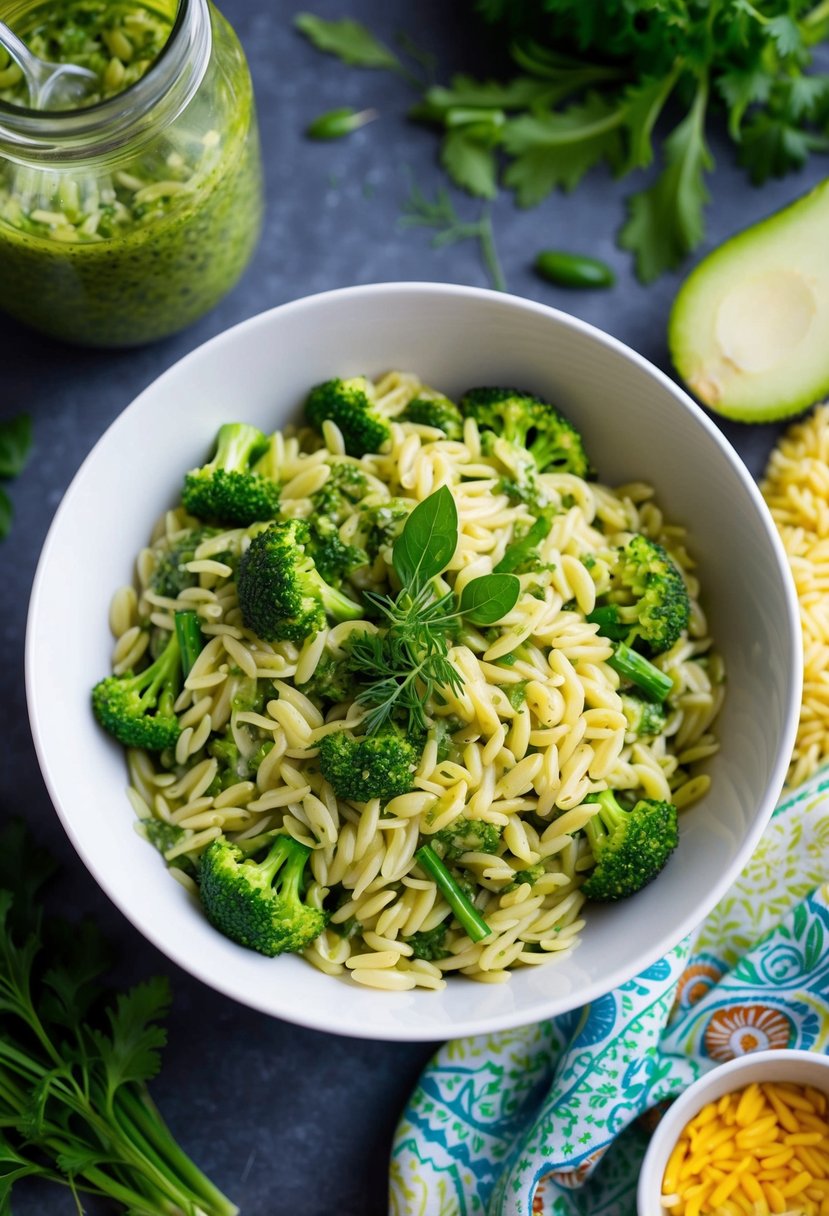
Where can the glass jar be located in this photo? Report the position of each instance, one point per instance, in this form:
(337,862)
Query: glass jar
(126,220)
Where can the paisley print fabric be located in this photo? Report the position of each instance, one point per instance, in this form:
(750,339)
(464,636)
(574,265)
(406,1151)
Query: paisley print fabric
(553,1119)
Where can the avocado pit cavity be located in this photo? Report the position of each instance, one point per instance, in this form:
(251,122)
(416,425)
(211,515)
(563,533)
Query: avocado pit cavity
(761,321)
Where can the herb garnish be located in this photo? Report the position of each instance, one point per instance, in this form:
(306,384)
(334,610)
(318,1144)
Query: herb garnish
(594,84)
(73,1105)
(440,213)
(15,448)
(408,660)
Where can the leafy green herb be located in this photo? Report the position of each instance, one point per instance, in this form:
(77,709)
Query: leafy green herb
(349,41)
(487,599)
(6,513)
(73,1105)
(407,661)
(336,123)
(420,212)
(428,541)
(15,449)
(596,84)
(15,445)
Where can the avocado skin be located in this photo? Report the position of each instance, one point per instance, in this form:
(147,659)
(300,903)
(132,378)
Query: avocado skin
(792,239)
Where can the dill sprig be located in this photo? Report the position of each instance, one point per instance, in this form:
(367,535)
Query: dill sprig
(407,662)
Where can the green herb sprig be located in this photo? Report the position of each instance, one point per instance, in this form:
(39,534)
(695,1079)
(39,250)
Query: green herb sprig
(74,1108)
(625,84)
(15,449)
(407,661)
(439,213)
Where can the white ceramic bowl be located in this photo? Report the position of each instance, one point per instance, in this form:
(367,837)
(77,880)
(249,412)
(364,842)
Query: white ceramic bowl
(798,1067)
(637,424)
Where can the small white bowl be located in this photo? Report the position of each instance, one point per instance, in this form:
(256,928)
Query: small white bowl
(798,1067)
(637,424)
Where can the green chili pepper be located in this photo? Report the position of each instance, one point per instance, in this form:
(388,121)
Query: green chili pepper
(573,269)
(337,123)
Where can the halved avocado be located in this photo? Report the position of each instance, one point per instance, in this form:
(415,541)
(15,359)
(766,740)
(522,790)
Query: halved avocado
(749,329)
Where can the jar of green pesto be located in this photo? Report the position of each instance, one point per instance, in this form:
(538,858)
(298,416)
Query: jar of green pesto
(127,219)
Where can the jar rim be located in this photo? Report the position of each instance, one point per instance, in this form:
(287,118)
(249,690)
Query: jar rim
(89,131)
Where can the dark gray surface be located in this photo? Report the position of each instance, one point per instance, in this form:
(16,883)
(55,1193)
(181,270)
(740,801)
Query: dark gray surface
(288,1120)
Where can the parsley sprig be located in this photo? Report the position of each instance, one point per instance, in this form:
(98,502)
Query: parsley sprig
(74,1108)
(625,84)
(406,663)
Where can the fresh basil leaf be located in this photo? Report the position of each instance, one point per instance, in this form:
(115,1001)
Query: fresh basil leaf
(15,445)
(5,514)
(428,541)
(487,599)
(348,40)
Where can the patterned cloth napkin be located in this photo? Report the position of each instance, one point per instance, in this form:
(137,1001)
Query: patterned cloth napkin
(545,1119)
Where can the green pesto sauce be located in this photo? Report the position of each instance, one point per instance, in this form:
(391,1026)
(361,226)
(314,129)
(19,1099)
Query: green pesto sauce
(126,253)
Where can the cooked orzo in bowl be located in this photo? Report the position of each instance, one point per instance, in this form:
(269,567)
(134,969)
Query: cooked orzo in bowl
(637,430)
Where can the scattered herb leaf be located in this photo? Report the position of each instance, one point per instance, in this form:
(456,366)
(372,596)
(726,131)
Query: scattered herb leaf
(489,598)
(15,445)
(420,212)
(348,40)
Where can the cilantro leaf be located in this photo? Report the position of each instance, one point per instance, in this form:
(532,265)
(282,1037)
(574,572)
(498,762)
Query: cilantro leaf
(15,445)
(6,514)
(470,161)
(772,145)
(741,87)
(130,1052)
(785,33)
(666,220)
(557,149)
(348,40)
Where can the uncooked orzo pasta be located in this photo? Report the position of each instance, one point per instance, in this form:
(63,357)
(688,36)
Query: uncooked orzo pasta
(796,488)
(510,716)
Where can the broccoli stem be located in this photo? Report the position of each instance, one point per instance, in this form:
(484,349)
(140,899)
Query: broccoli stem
(467,915)
(188,632)
(340,606)
(609,817)
(237,446)
(634,667)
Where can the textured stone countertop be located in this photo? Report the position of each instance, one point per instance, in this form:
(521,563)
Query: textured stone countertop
(287,1120)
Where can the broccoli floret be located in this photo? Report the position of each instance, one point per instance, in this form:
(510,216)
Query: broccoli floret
(282,596)
(528,422)
(226,489)
(381,524)
(643,717)
(531,875)
(233,766)
(433,409)
(647,601)
(259,904)
(430,943)
(345,487)
(464,835)
(350,404)
(333,558)
(169,577)
(379,766)
(163,836)
(630,847)
(331,682)
(138,710)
